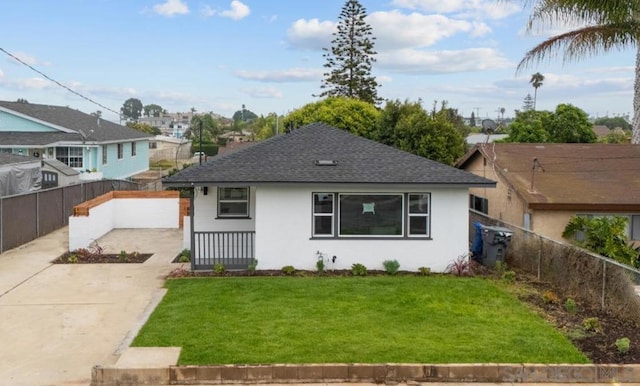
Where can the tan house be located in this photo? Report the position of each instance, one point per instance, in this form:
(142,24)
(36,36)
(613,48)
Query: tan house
(162,147)
(540,186)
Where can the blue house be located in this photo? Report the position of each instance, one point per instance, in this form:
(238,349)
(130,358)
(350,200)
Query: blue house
(95,147)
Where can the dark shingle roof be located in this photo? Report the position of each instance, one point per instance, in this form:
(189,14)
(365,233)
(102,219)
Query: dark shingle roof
(94,128)
(9,159)
(290,158)
(36,139)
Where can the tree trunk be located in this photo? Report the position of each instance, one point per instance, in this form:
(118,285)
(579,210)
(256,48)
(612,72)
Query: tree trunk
(635,133)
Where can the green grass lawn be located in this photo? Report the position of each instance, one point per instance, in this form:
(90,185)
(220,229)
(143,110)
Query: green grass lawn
(384,319)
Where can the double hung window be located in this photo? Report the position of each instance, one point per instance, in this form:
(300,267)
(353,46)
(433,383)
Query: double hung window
(233,202)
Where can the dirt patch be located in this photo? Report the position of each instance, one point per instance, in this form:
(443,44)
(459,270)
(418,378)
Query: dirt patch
(102,258)
(591,330)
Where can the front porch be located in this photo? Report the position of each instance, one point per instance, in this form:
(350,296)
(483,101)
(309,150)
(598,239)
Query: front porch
(233,249)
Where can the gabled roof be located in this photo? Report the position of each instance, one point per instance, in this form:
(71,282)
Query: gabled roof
(36,139)
(95,129)
(567,176)
(291,158)
(60,166)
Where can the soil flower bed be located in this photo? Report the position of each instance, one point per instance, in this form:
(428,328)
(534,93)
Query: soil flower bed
(102,258)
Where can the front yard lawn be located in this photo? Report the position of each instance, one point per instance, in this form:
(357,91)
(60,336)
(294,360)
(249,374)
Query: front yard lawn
(382,319)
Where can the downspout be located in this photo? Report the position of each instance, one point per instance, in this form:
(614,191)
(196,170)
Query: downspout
(635,136)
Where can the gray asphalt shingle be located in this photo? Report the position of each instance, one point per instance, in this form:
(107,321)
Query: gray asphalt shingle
(290,158)
(95,129)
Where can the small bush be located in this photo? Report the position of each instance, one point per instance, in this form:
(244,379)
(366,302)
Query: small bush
(184,259)
(358,269)
(500,267)
(320,265)
(219,268)
(460,266)
(623,345)
(252,266)
(391,266)
(571,306)
(123,256)
(424,271)
(550,297)
(592,325)
(288,270)
(72,258)
(509,276)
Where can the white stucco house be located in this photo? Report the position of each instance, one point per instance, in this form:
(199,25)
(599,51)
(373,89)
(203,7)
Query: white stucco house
(323,192)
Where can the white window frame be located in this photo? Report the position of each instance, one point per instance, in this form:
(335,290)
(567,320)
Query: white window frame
(133,149)
(67,159)
(105,155)
(426,215)
(322,214)
(233,201)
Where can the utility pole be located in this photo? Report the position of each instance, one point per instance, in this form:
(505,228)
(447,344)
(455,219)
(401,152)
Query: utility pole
(200,151)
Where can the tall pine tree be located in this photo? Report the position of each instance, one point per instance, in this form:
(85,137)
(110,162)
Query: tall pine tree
(351,56)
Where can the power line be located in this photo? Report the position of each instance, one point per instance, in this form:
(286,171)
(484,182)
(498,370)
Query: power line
(58,83)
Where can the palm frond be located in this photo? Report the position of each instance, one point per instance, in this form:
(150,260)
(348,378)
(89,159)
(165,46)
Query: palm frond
(583,42)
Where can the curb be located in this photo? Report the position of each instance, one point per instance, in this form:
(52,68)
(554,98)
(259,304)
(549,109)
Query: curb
(372,373)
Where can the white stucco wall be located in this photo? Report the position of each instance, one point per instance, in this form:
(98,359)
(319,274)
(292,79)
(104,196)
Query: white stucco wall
(206,213)
(122,213)
(283,232)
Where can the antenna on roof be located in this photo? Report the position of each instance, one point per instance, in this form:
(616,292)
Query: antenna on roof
(535,165)
(489,127)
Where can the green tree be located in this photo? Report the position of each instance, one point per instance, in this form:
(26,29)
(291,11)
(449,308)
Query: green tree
(153,110)
(472,120)
(407,126)
(132,108)
(616,137)
(528,103)
(536,82)
(605,235)
(613,122)
(244,115)
(529,126)
(569,124)
(144,127)
(604,26)
(350,59)
(349,114)
(97,114)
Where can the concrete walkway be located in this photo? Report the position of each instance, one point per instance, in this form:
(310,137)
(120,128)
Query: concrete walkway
(59,320)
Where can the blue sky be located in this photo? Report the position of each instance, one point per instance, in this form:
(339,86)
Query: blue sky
(216,55)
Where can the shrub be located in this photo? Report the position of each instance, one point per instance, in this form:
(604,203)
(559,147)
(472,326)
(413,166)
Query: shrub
(509,276)
(184,259)
(550,297)
(424,271)
(219,268)
(591,324)
(623,345)
(571,306)
(320,265)
(252,266)
(288,270)
(358,269)
(460,266)
(72,258)
(391,266)
(123,256)
(500,267)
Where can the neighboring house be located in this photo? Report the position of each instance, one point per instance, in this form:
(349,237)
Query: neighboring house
(19,174)
(541,186)
(93,146)
(601,131)
(234,146)
(474,139)
(56,173)
(162,147)
(321,192)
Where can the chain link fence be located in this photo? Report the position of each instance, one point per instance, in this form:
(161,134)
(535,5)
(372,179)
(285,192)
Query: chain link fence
(574,272)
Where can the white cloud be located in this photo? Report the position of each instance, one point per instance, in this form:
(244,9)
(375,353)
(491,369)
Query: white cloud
(28,59)
(479,9)
(238,11)
(1,74)
(310,34)
(171,8)
(397,30)
(412,61)
(265,92)
(289,75)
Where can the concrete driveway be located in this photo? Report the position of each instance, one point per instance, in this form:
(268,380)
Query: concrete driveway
(59,320)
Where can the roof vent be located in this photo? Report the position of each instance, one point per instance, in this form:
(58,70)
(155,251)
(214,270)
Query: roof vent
(325,162)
